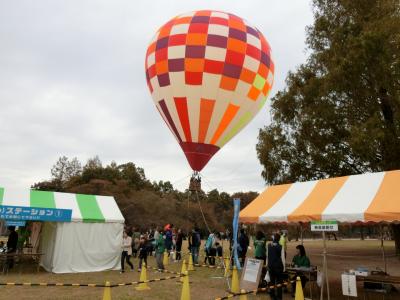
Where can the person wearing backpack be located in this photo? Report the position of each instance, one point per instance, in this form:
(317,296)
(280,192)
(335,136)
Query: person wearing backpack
(209,249)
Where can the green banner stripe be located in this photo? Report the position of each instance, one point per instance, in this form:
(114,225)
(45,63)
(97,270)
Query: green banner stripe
(42,199)
(1,195)
(89,208)
(323,222)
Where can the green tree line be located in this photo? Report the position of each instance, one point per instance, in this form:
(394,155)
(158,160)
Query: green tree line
(339,113)
(144,203)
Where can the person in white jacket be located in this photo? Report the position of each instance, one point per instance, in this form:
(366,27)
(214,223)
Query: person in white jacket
(126,251)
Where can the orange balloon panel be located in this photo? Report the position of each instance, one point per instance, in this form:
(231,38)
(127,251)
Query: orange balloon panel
(209,73)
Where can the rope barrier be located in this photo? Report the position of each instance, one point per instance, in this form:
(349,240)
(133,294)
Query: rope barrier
(51,284)
(88,284)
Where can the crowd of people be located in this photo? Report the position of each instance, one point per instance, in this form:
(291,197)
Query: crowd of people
(153,242)
(167,239)
(270,248)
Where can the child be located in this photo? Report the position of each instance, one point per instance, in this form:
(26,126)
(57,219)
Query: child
(142,252)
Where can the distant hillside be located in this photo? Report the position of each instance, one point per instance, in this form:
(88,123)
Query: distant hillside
(143,203)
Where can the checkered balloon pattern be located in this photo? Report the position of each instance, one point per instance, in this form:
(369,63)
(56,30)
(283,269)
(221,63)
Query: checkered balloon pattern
(209,73)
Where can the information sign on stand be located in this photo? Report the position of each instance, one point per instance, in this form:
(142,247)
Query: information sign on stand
(349,285)
(251,274)
(324,226)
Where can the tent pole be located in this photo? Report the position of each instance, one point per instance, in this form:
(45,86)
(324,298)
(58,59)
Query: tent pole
(301,232)
(324,270)
(383,250)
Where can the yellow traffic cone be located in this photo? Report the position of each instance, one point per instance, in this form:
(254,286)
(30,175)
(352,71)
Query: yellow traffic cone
(185,295)
(107,291)
(227,267)
(190,268)
(183,269)
(143,277)
(165,259)
(243,297)
(299,290)
(235,281)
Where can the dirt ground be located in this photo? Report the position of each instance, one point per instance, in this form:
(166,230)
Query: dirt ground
(205,283)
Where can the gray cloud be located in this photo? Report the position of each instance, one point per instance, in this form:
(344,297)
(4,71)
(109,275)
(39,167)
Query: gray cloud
(72,83)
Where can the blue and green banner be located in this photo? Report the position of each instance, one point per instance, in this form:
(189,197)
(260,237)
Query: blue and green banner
(22,213)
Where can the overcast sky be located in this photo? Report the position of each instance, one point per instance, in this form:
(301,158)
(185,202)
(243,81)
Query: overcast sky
(72,83)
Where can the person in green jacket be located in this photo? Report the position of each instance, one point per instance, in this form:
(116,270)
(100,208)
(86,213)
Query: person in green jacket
(300,260)
(160,249)
(259,246)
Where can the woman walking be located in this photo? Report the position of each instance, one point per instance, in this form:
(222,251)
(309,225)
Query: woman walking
(126,251)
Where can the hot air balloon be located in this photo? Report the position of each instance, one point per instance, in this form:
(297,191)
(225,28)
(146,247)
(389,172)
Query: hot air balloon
(209,73)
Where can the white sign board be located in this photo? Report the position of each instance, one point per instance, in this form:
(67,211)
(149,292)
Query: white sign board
(251,274)
(253,265)
(324,226)
(349,285)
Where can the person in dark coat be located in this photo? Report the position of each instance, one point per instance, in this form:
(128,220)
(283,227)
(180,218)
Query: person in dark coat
(179,239)
(276,266)
(168,238)
(143,251)
(243,245)
(12,243)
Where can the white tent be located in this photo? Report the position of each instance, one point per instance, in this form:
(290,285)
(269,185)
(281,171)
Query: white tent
(90,242)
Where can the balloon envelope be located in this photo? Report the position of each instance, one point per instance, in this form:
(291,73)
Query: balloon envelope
(209,73)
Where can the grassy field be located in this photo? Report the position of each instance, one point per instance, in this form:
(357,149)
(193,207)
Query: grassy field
(205,283)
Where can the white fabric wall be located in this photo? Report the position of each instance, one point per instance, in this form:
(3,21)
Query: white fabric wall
(46,244)
(86,247)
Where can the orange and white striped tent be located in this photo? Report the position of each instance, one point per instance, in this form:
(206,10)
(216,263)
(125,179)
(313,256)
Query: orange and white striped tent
(370,197)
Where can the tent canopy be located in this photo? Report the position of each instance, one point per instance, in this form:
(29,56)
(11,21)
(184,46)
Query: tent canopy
(370,197)
(85,208)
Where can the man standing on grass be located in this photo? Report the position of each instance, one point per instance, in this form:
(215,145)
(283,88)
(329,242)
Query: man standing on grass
(194,244)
